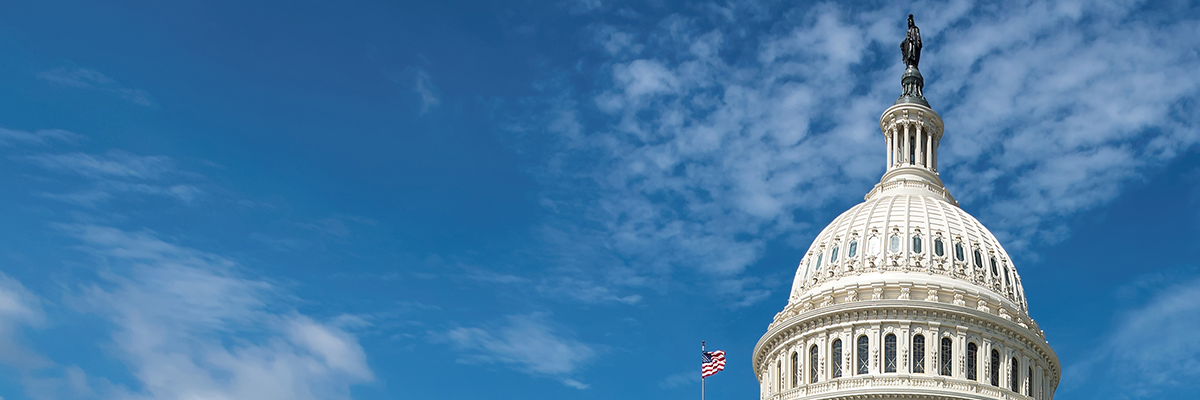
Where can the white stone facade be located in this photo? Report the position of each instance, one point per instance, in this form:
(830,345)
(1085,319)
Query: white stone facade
(905,266)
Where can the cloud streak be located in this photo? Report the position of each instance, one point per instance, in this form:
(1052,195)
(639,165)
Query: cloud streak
(525,342)
(117,172)
(86,78)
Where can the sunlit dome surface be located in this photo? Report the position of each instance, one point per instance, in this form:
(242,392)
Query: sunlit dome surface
(921,236)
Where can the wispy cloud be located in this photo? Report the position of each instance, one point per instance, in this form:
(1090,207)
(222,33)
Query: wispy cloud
(526,342)
(117,172)
(118,164)
(189,325)
(9,137)
(86,78)
(680,379)
(426,91)
(1136,368)
(18,309)
(720,142)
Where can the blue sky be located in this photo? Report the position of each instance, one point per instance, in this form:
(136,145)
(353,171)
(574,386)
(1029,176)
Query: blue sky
(373,200)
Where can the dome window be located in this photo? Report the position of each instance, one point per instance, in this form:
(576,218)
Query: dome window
(995,368)
(795,369)
(994,270)
(895,244)
(819,256)
(916,247)
(873,246)
(836,357)
(1014,377)
(1006,278)
(813,360)
(958,252)
(945,356)
(864,354)
(972,360)
(853,250)
(833,254)
(978,259)
(1029,382)
(918,351)
(937,247)
(889,353)
(779,368)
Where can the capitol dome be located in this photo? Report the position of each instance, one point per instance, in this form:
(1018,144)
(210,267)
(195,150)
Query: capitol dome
(906,295)
(893,235)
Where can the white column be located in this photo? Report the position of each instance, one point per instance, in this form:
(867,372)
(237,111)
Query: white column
(906,157)
(933,153)
(895,145)
(888,138)
(928,151)
(919,156)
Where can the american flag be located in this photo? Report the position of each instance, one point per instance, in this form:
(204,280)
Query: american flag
(714,361)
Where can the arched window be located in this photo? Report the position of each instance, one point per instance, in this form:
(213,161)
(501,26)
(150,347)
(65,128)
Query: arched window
(995,368)
(1006,278)
(819,256)
(1029,382)
(894,245)
(972,360)
(978,259)
(995,272)
(918,351)
(833,254)
(958,252)
(795,369)
(779,367)
(889,353)
(938,250)
(852,250)
(812,364)
(916,247)
(864,355)
(1015,378)
(945,356)
(836,358)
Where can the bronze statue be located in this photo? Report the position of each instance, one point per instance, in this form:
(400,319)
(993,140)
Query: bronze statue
(910,48)
(912,83)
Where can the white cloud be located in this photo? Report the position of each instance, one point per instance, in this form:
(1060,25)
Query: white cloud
(86,78)
(616,41)
(426,91)
(700,155)
(189,325)
(18,309)
(1141,367)
(117,172)
(526,342)
(9,137)
(118,164)
(680,379)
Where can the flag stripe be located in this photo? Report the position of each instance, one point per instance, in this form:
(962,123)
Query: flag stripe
(712,363)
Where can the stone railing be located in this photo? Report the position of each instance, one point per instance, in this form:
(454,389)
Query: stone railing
(915,184)
(879,384)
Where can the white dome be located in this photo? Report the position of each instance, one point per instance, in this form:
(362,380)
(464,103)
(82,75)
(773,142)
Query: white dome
(925,238)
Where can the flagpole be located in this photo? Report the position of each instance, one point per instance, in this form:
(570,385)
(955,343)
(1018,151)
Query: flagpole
(702,373)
